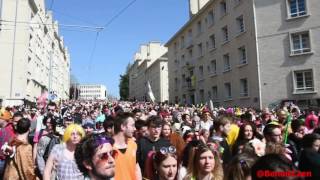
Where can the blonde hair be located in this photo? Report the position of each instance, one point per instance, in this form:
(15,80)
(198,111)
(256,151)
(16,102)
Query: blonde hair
(70,129)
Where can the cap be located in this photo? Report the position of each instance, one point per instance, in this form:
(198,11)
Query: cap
(88,125)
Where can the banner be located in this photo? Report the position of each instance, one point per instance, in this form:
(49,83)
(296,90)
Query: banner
(150,93)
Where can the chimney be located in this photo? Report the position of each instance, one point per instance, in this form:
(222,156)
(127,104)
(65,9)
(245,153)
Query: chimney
(195,6)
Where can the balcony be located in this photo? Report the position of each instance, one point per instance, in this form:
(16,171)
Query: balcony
(189,43)
(191,63)
(191,83)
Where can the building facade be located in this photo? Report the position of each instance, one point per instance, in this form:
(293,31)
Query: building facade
(32,52)
(253,53)
(150,66)
(92,92)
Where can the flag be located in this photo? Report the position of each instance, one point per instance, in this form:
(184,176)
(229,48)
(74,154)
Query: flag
(42,100)
(150,93)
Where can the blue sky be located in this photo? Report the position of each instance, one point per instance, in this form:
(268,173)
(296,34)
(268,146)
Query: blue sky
(143,21)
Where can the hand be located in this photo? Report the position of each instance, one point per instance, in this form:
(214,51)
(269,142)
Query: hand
(298,135)
(288,153)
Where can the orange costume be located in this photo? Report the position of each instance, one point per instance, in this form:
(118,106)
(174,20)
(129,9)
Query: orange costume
(126,162)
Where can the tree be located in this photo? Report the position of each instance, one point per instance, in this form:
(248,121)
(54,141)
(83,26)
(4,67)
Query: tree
(124,84)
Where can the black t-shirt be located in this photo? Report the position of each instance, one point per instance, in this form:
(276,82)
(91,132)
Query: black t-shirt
(145,145)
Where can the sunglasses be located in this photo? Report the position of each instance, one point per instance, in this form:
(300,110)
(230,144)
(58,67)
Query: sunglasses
(168,150)
(105,156)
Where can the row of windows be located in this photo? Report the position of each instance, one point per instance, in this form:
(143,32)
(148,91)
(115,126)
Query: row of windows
(299,44)
(90,96)
(90,91)
(209,22)
(90,87)
(213,93)
(211,44)
(303,82)
(212,66)
(296,8)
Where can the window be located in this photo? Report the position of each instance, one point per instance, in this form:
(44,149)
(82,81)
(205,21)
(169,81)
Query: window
(201,93)
(175,47)
(176,83)
(300,43)
(183,78)
(199,27)
(225,34)
(226,61)
(201,72)
(223,7)
(244,87)
(200,50)
(242,55)
(240,24)
(182,42)
(209,95)
(176,62)
(212,41)
(190,53)
(213,65)
(214,92)
(189,41)
(237,2)
(303,81)
(227,90)
(297,8)
(210,18)
(182,59)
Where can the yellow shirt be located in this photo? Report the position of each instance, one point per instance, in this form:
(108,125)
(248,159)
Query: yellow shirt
(232,135)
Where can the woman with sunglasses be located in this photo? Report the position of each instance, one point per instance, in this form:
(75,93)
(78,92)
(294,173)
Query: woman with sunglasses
(162,164)
(205,164)
(61,157)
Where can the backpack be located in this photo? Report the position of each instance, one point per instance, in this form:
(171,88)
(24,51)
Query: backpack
(53,141)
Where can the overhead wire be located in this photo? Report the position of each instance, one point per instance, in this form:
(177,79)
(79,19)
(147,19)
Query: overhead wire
(119,13)
(97,28)
(92,54)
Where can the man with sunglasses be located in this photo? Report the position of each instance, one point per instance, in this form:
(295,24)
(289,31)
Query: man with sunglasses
(95,156)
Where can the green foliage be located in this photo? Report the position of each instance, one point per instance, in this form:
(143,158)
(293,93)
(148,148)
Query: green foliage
(124,84)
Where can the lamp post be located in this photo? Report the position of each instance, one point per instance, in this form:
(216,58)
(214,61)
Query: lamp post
(13,48)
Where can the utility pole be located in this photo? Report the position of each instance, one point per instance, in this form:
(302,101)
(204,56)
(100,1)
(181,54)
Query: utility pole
(13,48)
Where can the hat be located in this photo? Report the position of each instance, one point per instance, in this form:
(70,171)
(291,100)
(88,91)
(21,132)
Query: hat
(6,115)
(205,110)
(88,125)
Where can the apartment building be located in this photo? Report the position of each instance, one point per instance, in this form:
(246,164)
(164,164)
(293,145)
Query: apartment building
(92,92)
(253,53)
(150,66)
(32,52)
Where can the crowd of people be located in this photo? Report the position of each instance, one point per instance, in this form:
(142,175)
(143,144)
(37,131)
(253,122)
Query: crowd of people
(122,140)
